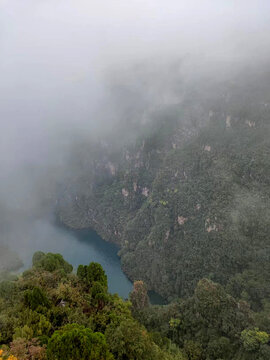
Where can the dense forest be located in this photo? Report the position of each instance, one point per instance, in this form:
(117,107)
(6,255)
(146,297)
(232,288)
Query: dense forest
(49,312)
(135,159)
(188,197)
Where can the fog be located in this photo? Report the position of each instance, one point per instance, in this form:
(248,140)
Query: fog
(62,64)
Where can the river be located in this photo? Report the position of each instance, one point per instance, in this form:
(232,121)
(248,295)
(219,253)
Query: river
(82,247)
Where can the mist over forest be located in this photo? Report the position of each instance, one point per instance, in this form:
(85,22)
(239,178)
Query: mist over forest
(74,72)
(148,123)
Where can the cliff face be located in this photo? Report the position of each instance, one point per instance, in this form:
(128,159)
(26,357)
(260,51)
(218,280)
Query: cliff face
(188,198)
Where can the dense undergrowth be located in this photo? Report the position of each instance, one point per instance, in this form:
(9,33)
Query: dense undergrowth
(50,313)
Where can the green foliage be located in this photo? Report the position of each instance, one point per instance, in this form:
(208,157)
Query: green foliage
(8,290)
(91,274)
(24,332)
(210,325)
(77,342)
(32,322)
(99,295)
(35,298)
(6,327)
(51,262)
(66,316)
(97,289)
(219,347)
(253,339)
(130,341)
(193,350)
(138,296)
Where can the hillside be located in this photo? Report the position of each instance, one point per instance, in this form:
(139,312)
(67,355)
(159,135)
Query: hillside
(51,313)
(189,197)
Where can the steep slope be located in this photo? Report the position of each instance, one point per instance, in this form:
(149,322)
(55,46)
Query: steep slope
(189,197)
(51,313)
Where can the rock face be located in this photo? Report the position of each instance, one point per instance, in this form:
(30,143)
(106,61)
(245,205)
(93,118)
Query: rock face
(125,192)
(207,148)
(228,121)
(251,124)
(112,168)
(181,220)
(145,191)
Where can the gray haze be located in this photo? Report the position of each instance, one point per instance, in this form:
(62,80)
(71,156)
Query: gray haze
(62,63)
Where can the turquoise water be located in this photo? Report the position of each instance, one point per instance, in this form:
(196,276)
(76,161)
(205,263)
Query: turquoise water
(90,247)
(80,247)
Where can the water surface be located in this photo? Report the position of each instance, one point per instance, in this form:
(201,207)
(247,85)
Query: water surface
(82,247)
(79,247)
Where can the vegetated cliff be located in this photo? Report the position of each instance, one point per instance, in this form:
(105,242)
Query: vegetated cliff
(49,312)
(189,197)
